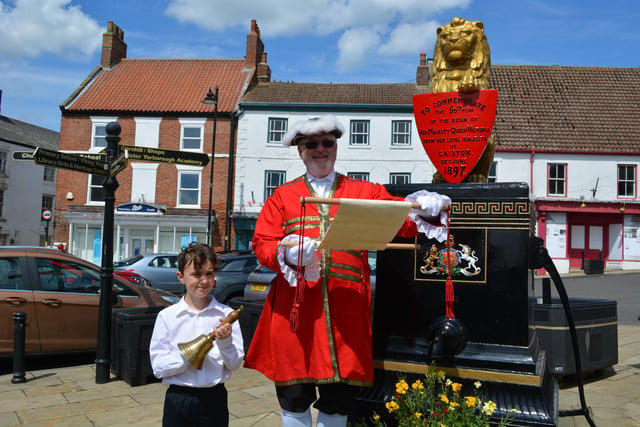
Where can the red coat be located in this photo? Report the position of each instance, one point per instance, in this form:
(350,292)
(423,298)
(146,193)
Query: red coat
(333,340)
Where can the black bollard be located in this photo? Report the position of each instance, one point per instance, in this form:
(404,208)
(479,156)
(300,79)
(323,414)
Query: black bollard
(19,337)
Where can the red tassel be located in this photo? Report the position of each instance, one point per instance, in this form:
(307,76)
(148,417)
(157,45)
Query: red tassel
(448,287)
(294,316)
(449,297)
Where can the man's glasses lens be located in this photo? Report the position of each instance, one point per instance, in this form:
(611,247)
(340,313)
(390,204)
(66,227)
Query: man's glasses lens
(326,143)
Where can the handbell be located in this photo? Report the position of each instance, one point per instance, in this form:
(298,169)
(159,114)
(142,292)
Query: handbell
(196,350)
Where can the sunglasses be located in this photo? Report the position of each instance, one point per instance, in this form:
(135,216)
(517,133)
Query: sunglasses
(312,145)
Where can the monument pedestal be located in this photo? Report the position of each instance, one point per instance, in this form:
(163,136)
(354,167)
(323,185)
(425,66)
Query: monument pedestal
(491,242)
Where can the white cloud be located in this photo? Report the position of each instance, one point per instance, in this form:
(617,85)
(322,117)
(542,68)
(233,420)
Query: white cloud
(34,27)
(366,28)
(410,38)
(355,45)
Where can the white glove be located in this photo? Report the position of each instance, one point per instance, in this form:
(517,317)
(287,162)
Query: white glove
(308,250)
(431,205)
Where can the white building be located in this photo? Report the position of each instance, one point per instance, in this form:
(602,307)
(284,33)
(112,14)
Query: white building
(571,134)
(26,188)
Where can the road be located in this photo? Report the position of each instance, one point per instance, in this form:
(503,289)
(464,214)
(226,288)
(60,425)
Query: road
(621,287)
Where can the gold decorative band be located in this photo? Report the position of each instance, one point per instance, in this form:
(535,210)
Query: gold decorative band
(478,374)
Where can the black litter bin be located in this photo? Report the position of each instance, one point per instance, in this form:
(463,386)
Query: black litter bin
(131,330)
(596,327)
(248,318)
(593,266)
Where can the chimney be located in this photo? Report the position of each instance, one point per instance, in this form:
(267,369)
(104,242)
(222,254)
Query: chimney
(264,71)
(113,46)
(423,72)
(255,47)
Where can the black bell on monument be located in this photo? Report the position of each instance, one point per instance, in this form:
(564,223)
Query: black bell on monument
(448,337)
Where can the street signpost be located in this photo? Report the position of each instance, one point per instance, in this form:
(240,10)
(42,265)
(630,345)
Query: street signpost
(149,154)
(119,163)
(28,155)
(72,162)
(23,155)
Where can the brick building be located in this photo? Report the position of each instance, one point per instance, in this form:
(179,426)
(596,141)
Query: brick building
(159,104)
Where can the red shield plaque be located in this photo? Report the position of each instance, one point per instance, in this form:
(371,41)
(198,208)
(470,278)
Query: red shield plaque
(454,128)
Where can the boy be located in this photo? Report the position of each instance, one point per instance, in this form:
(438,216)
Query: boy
(195,397)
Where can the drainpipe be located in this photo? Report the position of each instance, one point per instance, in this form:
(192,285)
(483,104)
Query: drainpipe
(533,153)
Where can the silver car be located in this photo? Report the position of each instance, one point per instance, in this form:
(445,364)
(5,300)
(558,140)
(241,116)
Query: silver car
(159,268)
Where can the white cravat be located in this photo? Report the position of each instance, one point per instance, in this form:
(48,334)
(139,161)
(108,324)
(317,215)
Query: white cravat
(322,185)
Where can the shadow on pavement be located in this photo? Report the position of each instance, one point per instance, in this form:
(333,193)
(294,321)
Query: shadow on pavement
(36,363)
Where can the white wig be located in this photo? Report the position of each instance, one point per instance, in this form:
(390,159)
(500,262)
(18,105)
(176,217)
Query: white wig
(310,127)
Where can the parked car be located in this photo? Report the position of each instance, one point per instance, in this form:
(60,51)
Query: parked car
(133,277)
(60,294)
(259,280)
(231,279)
(259,283)
(159,268)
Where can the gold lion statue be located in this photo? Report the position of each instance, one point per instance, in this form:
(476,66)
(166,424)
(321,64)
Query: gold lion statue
(461,62)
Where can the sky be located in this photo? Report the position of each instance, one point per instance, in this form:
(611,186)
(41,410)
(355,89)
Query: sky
(48,47)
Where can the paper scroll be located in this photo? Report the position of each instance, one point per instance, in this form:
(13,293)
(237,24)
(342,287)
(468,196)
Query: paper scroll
(362,224)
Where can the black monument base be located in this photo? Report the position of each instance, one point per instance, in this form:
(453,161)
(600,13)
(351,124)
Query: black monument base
(488,258)
(510,376)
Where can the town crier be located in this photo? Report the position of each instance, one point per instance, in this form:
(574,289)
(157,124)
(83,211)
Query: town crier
(314,334)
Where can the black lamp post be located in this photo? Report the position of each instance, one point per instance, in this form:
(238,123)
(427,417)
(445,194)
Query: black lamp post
(110,185)
(212,98)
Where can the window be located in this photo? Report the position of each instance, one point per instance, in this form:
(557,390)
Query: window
(401,132)
(362,176)
(1,203)
(96,191)
(10,274)
(189,188)
(49,173)
(277,129)
(273,180)
(99,139)
(492,176)
(3,162)
(359,132)
(400,178)
(557,179)
(99,131)
(191,138)
(626,180)
(58,275)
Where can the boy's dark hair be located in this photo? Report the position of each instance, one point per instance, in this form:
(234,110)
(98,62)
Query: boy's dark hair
(197,253)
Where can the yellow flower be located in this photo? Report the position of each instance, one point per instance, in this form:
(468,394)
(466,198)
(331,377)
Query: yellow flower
(488,408)
(471,401)
(392,406)
(477,384)
(417,385)
(448,382)
(440,375)
(456,387)
(443,425)
(376,417)
(418,415)
(453,405)
(444,398)
(402,387)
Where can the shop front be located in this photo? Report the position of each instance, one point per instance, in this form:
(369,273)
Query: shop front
(580,235)
(138,228)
